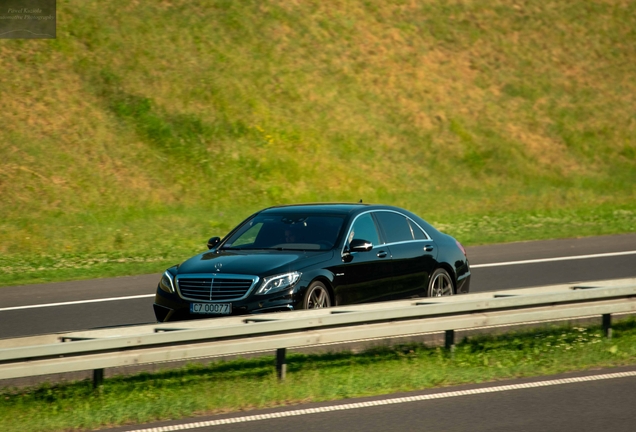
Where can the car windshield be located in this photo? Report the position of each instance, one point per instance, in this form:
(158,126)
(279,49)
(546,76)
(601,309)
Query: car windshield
(287,232)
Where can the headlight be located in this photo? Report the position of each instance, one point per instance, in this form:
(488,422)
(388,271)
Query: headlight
(167,283)
(278,283)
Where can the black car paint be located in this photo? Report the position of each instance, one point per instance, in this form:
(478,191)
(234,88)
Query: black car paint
(388,271)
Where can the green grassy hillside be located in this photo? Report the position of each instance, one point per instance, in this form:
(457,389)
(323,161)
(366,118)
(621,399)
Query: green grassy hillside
(147,127)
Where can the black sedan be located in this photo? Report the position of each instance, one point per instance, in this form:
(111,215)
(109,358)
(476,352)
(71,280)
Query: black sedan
(314,256)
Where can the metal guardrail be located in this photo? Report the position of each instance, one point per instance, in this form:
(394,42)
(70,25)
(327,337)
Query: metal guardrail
(136,345)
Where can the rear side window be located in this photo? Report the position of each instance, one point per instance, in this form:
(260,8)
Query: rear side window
(395,226)
(418,234)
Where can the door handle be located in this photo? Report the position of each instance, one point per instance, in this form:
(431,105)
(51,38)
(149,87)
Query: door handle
(428,248)
(381,254)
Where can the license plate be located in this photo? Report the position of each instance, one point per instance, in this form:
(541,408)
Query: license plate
(211,308)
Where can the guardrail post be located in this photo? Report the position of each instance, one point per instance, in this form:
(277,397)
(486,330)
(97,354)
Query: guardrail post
(449,340)
(98,377)
(281,363)
(607,325)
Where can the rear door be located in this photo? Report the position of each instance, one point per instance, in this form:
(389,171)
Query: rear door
(413,253)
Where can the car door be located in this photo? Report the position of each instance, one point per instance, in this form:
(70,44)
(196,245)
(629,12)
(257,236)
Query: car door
(363,276)
(413,254)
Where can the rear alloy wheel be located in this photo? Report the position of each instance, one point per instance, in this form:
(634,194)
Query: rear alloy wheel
(317,296)
(440,284)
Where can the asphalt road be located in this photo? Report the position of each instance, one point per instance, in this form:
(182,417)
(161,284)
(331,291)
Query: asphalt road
(100,303)
(575,402)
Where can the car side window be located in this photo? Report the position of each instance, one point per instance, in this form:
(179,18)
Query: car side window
(395,226)
(418,234)
(364,228)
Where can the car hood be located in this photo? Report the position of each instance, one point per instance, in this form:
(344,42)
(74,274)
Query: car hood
(257,263)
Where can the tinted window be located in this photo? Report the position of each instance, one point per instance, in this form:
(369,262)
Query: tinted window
(395,226)
(364,229)
(418,234)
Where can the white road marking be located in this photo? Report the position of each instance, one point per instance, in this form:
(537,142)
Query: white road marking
(473,266)
(392,401)
(543,260)
(76,302)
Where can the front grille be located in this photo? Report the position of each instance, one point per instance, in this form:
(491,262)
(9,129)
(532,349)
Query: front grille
(214,288)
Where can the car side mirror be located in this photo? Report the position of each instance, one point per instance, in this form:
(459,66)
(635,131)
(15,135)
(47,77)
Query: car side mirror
(359,245)
(213,242)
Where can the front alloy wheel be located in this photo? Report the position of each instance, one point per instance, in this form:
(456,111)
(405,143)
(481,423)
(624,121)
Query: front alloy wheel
(440,284)
(317,296)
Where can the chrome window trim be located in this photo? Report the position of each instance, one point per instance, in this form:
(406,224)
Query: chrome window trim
(255,280)
(427,239)
(407,241)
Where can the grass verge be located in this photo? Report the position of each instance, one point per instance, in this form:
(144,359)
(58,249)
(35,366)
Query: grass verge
(245,384)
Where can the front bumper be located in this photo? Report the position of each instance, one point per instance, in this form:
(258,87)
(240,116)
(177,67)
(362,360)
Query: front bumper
(171,307)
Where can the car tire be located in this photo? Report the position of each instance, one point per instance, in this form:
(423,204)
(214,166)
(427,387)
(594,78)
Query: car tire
(317,296)
(440,284)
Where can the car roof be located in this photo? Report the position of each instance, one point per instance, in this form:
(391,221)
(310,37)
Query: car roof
(327,208)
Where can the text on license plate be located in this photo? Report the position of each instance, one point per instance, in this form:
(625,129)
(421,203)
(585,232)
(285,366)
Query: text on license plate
(211,308)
